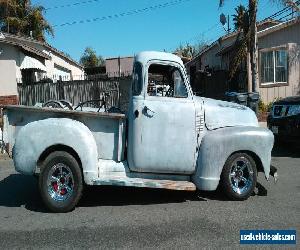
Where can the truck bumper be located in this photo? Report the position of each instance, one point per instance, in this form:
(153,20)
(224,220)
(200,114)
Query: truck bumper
(274,173)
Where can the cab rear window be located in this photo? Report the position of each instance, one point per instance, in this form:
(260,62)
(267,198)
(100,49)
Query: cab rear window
(137,84)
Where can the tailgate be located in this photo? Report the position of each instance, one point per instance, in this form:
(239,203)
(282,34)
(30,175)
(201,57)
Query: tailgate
(8,134)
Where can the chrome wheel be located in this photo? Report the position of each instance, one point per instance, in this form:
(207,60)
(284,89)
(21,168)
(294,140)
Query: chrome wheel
(60,182)
(241,175)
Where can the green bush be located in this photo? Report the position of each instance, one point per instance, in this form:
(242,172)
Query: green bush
(263,108)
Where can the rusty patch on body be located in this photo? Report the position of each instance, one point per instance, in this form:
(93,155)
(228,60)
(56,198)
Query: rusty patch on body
(139,182)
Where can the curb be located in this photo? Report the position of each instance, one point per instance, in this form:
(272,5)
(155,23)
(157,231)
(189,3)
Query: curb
(4,157)
(263,124)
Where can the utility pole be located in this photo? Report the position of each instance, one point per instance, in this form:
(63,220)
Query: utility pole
(228,25)
(119,65)
(253,43)
(7,15)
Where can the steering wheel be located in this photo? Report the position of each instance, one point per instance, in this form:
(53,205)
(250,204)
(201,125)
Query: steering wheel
(170,92)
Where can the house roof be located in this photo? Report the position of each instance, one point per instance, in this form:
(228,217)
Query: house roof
(26,48)
(19,41)
(225,49)
(274,26)
(278,27)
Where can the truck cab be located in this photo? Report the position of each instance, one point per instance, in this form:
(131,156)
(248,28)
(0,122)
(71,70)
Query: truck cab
(162,116)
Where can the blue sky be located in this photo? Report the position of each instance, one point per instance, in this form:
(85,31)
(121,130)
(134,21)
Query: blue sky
(160,29)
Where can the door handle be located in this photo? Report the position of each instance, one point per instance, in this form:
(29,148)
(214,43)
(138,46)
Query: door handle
(146,109)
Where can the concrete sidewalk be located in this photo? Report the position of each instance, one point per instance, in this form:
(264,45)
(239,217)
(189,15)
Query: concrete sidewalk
(4,156)
(263,124)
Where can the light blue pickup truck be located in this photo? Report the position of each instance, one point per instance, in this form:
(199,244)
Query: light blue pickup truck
(169,139)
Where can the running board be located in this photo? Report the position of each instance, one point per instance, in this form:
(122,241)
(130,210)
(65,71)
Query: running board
(146,183)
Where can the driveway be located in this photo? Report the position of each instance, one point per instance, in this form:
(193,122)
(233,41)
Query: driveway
(109,217)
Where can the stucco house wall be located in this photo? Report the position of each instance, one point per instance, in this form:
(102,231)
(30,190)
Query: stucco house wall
(287,38)
(75,71)
(8,82)
(36,55)
(270,37)
(56,63)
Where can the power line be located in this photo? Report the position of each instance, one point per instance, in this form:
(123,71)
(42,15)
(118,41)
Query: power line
(72,4)
(204,32)
(284,10)
(129,13)
(290,14)
(194,38)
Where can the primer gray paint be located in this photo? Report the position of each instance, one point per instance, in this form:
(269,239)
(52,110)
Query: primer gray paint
(183,141)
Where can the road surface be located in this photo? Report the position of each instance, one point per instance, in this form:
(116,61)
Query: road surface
(109,217)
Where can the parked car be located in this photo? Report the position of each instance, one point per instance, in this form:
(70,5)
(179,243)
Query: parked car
(284,119)
(174,140)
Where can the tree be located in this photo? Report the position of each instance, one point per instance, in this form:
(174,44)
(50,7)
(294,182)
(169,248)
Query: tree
(241,18)
(189,50)
(250,38)
(22,18)
(242,44)
(90,59)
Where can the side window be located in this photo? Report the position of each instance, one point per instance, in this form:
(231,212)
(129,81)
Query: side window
(165,81)
(179,86)
(137,83)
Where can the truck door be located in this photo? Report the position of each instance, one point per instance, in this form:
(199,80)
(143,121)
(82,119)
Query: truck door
(162,133)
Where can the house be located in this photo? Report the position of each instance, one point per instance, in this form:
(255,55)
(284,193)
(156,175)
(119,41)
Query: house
(119,66)
(26,60)
(278,64)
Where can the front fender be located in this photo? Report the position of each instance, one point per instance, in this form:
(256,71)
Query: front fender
(218,145)
(35,137)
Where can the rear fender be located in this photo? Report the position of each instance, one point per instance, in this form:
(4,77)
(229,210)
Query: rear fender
(36,137)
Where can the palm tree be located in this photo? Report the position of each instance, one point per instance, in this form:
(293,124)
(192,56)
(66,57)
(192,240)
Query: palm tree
(250,37)
(242,43)
(37,24)
(241,18)
(21,17)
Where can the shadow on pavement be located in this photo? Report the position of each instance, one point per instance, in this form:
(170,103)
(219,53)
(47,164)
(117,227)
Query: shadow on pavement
(19,190)
(122,196)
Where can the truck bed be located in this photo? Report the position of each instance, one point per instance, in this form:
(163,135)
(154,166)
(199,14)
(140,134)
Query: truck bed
(107,128)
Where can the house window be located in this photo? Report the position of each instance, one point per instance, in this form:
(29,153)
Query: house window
(274,67)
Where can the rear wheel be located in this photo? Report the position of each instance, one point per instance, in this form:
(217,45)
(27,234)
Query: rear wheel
(239,176)
(60,182)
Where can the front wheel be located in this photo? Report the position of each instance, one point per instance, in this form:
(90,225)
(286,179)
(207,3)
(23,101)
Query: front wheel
(239,176)
(60,182)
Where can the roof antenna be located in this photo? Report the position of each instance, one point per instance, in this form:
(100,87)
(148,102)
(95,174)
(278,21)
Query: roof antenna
(223,21)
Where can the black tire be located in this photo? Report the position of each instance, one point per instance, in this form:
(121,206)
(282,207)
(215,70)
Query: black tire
(61,162)
(229,177)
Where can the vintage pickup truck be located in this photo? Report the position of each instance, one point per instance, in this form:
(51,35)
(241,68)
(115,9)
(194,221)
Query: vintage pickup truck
(169,139)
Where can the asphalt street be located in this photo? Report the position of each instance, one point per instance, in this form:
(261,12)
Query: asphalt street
(110,217)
